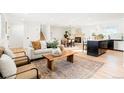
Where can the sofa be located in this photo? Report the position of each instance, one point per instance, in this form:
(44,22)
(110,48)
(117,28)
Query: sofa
(37,53)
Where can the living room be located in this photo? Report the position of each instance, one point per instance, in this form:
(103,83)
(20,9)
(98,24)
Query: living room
(61,46)
(92,42)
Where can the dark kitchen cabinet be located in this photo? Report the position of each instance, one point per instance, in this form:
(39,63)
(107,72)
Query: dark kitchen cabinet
(96,48)
(111,44)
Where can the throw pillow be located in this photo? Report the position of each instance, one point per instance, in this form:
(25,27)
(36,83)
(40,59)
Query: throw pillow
(36,45)
(7,66)
(43,44)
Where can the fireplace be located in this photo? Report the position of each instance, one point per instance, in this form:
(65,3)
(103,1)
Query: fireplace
(77,39)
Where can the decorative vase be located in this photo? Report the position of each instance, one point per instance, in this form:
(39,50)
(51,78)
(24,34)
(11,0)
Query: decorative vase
(56,52)
(61,48)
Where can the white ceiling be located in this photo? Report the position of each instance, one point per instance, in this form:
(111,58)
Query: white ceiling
(63,18)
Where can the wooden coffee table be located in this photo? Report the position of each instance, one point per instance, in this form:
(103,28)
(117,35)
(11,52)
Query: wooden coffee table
(50,58)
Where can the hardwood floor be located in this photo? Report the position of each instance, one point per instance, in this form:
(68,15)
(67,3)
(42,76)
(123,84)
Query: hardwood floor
(113,63)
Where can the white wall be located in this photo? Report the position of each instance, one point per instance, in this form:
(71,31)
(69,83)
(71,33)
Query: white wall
(21,34)
(31,33)
(16,35)
(57,32)
(121,26)
(2,27)
(3,31)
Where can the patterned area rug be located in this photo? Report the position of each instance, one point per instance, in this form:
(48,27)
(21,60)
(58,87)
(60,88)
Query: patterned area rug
(80,69)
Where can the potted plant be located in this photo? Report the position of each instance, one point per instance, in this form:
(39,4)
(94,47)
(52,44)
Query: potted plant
(55,49)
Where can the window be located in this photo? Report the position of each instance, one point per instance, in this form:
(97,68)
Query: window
(110,30)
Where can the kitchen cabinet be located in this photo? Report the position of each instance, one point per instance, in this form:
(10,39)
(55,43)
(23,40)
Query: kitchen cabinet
(119,45)
(96,48)
(110,44)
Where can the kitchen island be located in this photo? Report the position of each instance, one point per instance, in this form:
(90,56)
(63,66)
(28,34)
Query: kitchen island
(96,47)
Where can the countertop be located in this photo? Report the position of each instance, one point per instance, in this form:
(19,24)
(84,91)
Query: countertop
(108,39)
